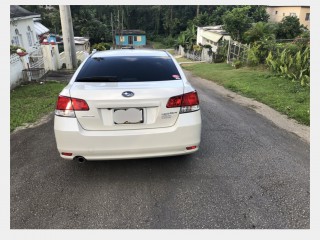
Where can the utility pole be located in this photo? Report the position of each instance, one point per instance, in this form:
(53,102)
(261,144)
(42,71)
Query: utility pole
(68,37)
(112,32)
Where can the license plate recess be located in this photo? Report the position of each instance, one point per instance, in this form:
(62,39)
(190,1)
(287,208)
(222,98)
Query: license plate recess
(128,116)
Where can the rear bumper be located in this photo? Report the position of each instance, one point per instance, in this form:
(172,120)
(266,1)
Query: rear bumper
(128,144)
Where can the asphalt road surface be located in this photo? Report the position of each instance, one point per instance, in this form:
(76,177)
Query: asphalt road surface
(248,174)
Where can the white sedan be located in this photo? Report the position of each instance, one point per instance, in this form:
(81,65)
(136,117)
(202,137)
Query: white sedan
(126,104)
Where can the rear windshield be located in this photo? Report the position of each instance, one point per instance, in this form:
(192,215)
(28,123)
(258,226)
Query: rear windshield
(128,69)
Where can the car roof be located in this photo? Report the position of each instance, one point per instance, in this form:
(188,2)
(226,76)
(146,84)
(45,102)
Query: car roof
(131,52)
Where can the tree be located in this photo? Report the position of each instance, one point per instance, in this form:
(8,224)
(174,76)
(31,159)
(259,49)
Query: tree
(258,13)
(237,21)
(86,23)
(217,14)
(259,31)
(202,19)
(289,28)
(49,17)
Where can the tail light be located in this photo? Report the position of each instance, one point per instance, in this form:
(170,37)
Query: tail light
(66,106)
(188,102)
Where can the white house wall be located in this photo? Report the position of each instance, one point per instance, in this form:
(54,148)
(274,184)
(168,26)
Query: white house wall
(22,26)
(199,35)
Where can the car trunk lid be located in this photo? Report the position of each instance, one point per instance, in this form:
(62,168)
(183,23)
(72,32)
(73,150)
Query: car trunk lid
(111,109)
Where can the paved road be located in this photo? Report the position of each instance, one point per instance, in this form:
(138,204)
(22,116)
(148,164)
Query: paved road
(247,174)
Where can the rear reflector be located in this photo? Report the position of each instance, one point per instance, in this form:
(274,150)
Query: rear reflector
(188,102)
(66,154)
(191,147)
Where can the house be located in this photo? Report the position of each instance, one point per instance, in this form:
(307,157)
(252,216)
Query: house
(22,29)
(135,38)
(211,35)
(82,44)
(277,13)
(41,30)
(22,35)
(28,33)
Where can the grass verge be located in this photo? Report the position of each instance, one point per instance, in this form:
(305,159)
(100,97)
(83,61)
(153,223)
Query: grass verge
(279,93)
(30,102)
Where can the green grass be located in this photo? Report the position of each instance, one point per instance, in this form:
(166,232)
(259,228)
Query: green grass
(158,45)
(182,59)
(279,93)
(30,102)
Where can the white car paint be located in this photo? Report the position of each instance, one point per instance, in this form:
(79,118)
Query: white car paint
(102,132)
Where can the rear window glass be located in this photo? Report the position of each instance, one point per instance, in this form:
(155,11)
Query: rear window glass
(128,69)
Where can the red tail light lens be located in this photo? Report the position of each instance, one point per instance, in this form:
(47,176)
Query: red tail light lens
(174,102)
(190,99)
(188,102)
(79,104)
(64,103)
(66,106)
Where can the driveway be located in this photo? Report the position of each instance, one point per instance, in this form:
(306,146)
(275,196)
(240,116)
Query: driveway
(248,173)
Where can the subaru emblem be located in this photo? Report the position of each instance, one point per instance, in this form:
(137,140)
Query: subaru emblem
(127,94)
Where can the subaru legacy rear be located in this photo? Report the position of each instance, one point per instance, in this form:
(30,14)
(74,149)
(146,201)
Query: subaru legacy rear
(126,104)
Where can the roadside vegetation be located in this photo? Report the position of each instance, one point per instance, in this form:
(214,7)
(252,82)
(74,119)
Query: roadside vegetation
(30,102)
(276,70)
(260,84)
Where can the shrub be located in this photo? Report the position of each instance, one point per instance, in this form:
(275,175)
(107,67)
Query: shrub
(101,46)
(13,49)
(292,66)
(253,56)
(237,64)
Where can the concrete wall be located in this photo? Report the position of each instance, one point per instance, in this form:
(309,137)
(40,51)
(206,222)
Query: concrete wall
(16,67)
(81,55)
(302,17)
(51,57)
(83,47)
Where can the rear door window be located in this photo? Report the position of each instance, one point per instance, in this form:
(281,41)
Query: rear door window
(128,69)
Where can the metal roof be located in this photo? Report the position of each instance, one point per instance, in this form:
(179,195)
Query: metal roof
(19,12)
(80,40)
(215,37)
(40,29)
(131,32)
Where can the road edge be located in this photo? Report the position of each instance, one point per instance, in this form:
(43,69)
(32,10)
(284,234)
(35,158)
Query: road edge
(274,116)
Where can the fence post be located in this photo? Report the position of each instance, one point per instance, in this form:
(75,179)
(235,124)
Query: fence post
(228,52)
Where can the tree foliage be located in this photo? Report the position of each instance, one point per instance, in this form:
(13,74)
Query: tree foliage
(49,18)
(237,21)
(94,21)
(258,13)
(260,31)
(289,28)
